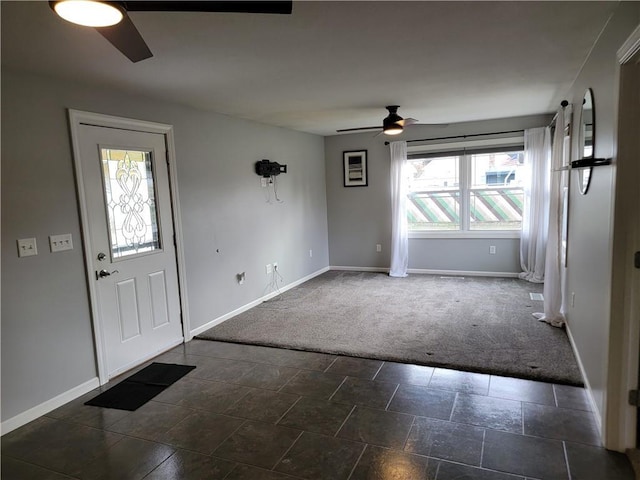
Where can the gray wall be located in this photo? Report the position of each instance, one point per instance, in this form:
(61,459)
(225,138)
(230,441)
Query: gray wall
(47,342)
(359,218)
(590,216)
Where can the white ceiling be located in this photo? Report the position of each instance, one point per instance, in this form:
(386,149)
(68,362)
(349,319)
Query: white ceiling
(330,65)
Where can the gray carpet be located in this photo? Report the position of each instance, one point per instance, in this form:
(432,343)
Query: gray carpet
(474,324)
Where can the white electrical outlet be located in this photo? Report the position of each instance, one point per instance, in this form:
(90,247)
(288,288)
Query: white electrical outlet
(263,182)
(310,253)
(492,250)
(378,247)
(268,269)
(59,243)
(27,247)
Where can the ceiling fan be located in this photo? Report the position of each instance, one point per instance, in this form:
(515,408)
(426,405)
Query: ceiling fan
(392,124)
(112,21)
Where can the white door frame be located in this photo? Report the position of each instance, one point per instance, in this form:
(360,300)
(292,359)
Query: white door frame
(624,331)
(77,118)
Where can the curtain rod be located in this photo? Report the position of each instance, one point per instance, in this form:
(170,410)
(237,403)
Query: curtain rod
(463,136)
(563,104)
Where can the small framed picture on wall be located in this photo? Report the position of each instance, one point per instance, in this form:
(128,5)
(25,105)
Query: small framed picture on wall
(355,168)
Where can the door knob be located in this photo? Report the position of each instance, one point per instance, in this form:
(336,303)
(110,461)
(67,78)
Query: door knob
(101,256)
(104,273)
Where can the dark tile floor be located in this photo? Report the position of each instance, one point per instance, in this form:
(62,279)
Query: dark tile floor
(258,413)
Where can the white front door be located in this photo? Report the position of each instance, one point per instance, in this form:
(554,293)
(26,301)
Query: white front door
(127,200)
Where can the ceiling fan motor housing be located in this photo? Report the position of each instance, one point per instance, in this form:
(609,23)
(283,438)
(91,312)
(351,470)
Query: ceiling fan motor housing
(393,116)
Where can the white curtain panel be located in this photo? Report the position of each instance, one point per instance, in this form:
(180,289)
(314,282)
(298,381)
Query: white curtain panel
(553,288)
(399,227)
(535,210)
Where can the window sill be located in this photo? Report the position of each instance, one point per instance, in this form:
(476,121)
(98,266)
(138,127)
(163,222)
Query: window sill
(467,234)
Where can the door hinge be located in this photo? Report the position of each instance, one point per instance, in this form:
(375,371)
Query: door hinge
(636,259)
(634,398)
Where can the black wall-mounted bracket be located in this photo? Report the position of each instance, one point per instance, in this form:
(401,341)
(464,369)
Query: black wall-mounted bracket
(266,168)
(590,162)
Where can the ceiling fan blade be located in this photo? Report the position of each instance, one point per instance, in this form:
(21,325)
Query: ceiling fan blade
(126,38)
(407,121)
(357,129)
(278,7)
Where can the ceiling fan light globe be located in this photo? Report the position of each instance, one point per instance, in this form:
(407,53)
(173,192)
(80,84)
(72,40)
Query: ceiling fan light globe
(89,13)
(393,130)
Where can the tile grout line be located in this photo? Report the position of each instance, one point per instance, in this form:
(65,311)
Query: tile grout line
(555,396)
(344,421)
(242,397)
(566,459)
(49,469)
(353,469)
(484,436)
(288,410)
(326,370)
(161,463)
(228,437)
(378,371)
(287,451)
(336,390)
(406,439)
(453,407)
(391,398)
(287,382)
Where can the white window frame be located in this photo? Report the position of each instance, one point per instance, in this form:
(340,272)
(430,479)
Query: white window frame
(465,186)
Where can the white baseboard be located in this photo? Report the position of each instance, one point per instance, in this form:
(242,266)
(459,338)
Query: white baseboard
(360,269)
(248,306)
(594,407)
(462,273)
(424,271)
(48,406)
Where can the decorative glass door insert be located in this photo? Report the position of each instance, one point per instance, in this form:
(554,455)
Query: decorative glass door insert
(130,201)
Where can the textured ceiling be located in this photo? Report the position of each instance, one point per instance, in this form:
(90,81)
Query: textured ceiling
(330,65)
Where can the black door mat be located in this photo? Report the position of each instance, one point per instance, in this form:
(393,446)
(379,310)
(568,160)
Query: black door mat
(139,388)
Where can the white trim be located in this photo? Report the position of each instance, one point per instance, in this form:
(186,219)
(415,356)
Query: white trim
(462,273)
(359,269)
(48,406)
(426,271)
(597,415)
(177,230)
(77,118)
(250,305)
(467,234)
(620,419)
(630,47)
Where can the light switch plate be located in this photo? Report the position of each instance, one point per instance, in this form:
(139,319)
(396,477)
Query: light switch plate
(60,243)
(27,247)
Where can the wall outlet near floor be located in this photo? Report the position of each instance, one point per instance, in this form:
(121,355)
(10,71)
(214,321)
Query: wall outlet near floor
(268,269)
(310,253)
(378,247)
(492,250)
(264,182)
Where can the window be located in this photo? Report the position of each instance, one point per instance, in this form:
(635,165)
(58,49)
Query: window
(480,191)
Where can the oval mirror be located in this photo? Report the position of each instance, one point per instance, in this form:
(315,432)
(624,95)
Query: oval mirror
(587,139)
